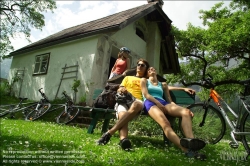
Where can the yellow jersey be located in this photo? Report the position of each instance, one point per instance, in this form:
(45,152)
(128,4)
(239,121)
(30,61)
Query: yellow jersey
(133,85)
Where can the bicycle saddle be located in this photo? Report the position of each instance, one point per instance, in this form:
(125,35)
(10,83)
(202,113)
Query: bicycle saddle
(21,98)
(245,81)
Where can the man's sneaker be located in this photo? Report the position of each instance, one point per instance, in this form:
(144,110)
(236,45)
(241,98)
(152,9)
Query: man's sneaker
(104,139)
(192,143)
(125,144)
(196,155)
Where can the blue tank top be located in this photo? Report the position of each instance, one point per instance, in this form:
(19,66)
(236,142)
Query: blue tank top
(154,90)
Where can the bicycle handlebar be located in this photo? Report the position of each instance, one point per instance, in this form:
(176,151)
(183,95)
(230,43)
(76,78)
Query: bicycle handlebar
(67,97)
(208,81)
(43,94)
(245,82)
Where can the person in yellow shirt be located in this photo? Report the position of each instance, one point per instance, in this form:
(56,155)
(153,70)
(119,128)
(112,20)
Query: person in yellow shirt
(124,112)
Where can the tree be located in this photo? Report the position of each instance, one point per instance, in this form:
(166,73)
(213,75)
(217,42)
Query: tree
(243,2)
(17,17)
(225,38)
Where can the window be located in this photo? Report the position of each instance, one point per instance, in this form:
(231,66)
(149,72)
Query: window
(41,64)
(140,33)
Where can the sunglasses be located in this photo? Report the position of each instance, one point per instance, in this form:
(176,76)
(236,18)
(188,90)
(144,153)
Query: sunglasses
(152,69)
(140,64)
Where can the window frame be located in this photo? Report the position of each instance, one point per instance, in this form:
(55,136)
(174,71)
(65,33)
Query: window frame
(139,33)
(39,72)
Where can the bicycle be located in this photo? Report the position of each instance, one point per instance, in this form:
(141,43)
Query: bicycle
(69,111)
(26,108)
(41,108)
(209,123)
(13,108)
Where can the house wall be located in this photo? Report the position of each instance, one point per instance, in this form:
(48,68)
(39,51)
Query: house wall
(81,51)
(154,45)
(149,48)
(126,37)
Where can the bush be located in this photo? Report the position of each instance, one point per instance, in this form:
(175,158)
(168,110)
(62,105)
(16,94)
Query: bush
(3,88)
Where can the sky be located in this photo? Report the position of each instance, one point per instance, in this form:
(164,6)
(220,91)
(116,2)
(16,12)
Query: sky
(72,13)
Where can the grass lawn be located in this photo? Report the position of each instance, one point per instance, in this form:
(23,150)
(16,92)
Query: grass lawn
(47,143)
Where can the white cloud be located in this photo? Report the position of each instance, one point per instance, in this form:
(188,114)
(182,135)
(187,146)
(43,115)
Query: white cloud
(183,12)
(89,4)
(19,41)
(125,5)
(63,3)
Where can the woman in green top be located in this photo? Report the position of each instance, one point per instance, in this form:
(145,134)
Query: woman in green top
(157,107)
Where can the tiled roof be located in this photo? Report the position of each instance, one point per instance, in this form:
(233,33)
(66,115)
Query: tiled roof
(112,22)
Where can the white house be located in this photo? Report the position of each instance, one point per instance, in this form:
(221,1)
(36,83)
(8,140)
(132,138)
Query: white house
(94,46)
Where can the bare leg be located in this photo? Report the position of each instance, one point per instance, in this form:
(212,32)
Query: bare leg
(135,108)
(124,130)
(161,119)
(184,113)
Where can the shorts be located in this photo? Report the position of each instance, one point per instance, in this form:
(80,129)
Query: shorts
(112,75)
(148,104)
(123,107)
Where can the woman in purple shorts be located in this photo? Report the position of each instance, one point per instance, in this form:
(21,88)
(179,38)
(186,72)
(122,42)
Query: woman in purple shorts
(157,107)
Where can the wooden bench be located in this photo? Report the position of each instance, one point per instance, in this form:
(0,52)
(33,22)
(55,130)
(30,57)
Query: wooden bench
(179,97)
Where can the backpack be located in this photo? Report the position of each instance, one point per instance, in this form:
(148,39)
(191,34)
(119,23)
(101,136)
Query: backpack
(107,98)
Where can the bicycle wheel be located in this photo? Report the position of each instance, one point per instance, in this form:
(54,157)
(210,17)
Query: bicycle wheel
(5,109)
(66,117)
(245,127)
(35,114)
(28,109)
(214,126)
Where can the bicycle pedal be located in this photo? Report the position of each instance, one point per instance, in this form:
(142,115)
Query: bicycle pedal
(233,145)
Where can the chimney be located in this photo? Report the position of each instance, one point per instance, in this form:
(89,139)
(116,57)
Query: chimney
(159,1)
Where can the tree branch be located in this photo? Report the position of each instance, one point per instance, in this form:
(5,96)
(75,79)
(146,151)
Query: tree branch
(224,82)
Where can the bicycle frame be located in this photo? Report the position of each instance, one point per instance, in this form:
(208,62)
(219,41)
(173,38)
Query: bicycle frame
(66,105)
(234,126)
(21,107)
(17,107)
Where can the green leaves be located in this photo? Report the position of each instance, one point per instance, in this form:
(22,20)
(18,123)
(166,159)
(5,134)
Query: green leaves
(221,49)
(18,17)
(75,85)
